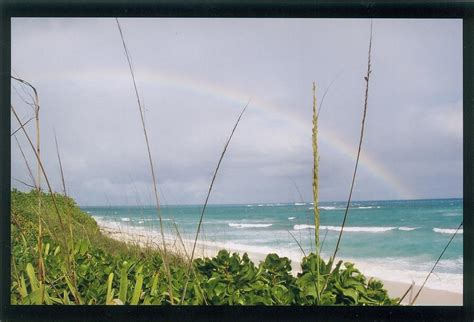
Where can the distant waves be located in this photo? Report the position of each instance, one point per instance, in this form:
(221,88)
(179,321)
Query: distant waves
(249,225)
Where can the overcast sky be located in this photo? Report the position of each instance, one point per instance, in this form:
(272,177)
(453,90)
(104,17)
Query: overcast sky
(194,77)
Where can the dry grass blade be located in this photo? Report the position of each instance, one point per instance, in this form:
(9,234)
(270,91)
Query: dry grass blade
(299,245)
(150,159)
(406,293)
(18,129)
(207,199)
(24,183)
(326,92)
(367,78)
(30,173)
(435,264)
(324,239)
(71,235)
(296,208)
(60,164)
(24,91)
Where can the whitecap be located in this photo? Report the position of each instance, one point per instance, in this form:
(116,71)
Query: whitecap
(328,208)
(300,227)
(125,219)
(359,229)
(291,218)
(347,229)
(452,214)
(249,225)
(447,231)
(407,228)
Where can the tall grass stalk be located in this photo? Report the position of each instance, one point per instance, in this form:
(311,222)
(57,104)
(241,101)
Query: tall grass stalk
(316,189)
(69,215)
(60,165)
(150,159)
(315,170)
(367,79)
(207,199)
(436,263)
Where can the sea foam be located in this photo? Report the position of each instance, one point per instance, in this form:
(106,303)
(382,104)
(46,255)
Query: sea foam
(300,227)
(329,208)
(249,225)
(347,229)
(407,228)
(447,231)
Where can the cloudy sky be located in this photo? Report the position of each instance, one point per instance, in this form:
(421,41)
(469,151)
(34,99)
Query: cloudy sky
(194,77)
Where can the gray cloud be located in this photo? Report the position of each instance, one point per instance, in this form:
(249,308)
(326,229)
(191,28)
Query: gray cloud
(195,75)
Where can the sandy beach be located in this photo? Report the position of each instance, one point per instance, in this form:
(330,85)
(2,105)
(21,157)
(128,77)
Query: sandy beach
(144,238)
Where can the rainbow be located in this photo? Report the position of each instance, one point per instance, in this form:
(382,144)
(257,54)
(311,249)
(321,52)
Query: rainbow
(260,105)
(369,163)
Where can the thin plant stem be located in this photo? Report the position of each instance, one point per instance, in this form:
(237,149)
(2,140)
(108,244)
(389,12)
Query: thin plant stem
(30,173)
(307,219)
(436,263)
(299,245)
(326,92)
(367,79)
(150,159)
(324,239)
(207,199)
(60,164)
(24,183)
(405,294)
(18,129)
(71,235)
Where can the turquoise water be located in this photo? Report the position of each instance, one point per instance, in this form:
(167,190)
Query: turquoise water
(397,240)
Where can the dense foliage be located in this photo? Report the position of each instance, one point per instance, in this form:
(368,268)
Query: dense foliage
(95,274)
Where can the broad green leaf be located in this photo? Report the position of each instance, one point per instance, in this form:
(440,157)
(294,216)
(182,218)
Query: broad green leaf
(137,291)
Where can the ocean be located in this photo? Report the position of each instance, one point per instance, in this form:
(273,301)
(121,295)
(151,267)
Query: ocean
(392,240)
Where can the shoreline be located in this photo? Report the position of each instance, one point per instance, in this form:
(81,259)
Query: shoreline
(429,296)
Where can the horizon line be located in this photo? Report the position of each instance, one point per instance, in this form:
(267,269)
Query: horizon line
(271,203)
